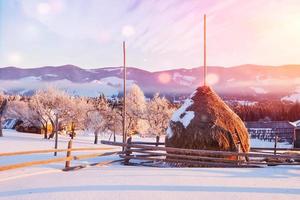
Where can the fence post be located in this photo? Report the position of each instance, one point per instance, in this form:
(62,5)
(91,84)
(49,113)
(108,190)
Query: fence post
(127,151)
(239,151)
(68,162)
(275,145)
(157,140)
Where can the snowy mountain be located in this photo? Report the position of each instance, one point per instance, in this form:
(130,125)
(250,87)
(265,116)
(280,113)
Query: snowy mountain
(251,81)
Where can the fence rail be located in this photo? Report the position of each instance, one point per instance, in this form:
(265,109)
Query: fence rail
(191,157)
(154,152)
(68,158)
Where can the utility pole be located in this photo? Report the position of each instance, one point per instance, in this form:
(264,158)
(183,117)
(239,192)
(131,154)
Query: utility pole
(124,94)
(204,52)
(56,134)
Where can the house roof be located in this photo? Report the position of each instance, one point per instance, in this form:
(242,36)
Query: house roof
(270,124)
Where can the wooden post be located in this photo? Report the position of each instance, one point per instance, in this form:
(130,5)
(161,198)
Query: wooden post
(275,145)
(204,52)
(127,151)
(56,134)
(124,95)
(68,162)
(157,140)
(239,151)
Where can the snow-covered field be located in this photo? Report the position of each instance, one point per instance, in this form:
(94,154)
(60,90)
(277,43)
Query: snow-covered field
(115,181)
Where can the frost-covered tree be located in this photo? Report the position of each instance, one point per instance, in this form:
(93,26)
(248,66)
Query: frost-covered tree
(97,117)
(56,105)
(37,107)
(158,115)
(77,114)
(135,109)
(114,120)
(21,110)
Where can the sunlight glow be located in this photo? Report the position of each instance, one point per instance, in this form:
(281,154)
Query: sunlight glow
(128,31)
(43,8)
(14,58)
(212,79)
(164,78)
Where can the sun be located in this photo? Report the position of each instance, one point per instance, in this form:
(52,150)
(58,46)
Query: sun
(128,31)
(43,8)
(164,78)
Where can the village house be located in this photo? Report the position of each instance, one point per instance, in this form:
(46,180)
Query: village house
(267,130)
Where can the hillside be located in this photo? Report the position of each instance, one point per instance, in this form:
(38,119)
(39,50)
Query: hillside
(247,81)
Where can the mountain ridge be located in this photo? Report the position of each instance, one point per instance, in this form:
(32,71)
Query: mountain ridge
(242,80)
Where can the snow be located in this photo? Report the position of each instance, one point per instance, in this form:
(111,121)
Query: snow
(296,123)
(111,69)
(182,115)
(259,90)
(183,80)
(293,97)
(31,78)
(247,103)
(91,89)
(115,81)
(92,70)
(261,143)
(169,132)
(115,181)
(51,75)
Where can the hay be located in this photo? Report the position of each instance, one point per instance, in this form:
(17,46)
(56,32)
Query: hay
(206,122)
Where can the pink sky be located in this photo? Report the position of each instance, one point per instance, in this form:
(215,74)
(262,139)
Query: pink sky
(159,34)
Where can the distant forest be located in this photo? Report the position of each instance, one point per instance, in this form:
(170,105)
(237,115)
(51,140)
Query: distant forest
(272,110)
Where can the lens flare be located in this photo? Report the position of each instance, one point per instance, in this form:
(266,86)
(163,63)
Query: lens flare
(14,58)
(128,31)
(212,79)
(164,78)
(43,8)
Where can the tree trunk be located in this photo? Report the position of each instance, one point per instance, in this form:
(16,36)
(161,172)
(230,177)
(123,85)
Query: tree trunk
(114,136)
(53,132)
(72,131)
(45,132)
(51,135)
(96,137)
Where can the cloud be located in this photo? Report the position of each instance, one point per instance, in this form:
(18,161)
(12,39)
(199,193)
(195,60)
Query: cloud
(166,32)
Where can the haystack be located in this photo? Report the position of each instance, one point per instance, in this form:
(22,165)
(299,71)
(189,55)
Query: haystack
(204,121)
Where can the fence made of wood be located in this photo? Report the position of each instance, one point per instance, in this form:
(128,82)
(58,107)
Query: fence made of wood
(67,159)
(157,155)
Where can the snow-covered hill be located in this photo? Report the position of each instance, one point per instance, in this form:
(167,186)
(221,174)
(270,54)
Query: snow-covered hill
(245,80)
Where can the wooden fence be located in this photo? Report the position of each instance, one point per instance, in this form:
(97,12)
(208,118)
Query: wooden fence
(68,158)
(155,154)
